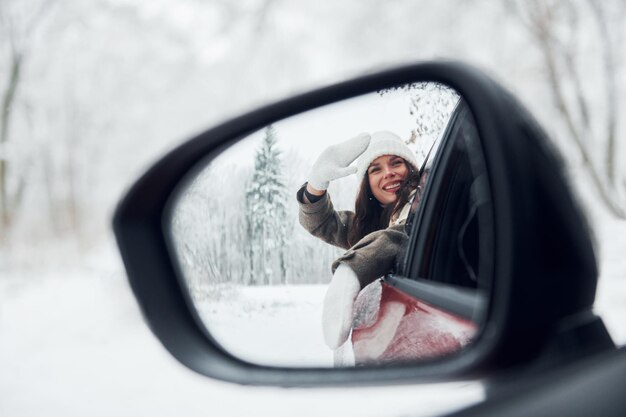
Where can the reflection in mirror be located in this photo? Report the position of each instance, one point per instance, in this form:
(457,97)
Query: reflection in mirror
(277,235)
(436,303)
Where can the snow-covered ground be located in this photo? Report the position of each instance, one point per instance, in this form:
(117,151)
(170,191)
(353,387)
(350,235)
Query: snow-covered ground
(89,118)
(272,325)
(73,343)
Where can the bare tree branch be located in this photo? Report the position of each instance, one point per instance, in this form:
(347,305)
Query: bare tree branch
(542,24)
(569,52)
(540,19)
(262,15)
(610,87)
(8,101)
(18,38)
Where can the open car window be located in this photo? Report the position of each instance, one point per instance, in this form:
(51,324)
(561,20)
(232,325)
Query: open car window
(450,227)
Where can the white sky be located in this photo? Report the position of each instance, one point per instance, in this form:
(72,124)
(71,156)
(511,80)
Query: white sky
(311,132)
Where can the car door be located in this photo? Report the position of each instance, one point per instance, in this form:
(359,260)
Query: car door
(434,305)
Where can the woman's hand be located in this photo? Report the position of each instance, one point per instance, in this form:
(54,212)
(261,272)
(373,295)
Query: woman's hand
(338,305)
(335,162)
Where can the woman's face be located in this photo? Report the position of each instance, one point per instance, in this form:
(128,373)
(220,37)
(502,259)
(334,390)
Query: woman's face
(385,175)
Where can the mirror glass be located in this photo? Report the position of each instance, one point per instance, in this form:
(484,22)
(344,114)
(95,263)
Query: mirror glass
(258,250)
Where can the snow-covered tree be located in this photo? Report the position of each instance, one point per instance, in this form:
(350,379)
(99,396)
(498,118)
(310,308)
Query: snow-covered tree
(266,208)
(431,105)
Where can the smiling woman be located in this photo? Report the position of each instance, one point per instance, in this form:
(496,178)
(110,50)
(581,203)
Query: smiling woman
(384,164)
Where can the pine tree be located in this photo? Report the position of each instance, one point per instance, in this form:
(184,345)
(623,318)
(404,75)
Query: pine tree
(266,208)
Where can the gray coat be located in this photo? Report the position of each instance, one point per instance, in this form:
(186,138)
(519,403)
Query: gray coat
(370,258)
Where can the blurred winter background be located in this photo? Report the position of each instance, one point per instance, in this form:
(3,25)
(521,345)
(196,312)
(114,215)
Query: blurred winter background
(91,93)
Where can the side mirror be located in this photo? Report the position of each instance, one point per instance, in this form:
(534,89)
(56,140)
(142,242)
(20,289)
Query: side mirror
(497,259)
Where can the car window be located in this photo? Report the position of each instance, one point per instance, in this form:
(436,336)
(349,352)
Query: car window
(453,236)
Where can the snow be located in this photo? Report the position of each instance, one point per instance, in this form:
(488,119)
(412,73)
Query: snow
(273,325)
(73,343)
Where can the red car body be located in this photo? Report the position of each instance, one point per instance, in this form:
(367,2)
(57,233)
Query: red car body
(390,325)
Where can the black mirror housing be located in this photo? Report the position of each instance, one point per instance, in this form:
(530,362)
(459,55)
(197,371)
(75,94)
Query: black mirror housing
(545,268)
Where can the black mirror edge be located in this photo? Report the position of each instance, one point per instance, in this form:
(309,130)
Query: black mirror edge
(550,318)
(140,228)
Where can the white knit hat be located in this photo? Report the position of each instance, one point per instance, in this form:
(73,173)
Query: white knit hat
(384,143)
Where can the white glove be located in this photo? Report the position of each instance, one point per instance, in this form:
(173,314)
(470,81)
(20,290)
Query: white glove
(335,161)
(338,304)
